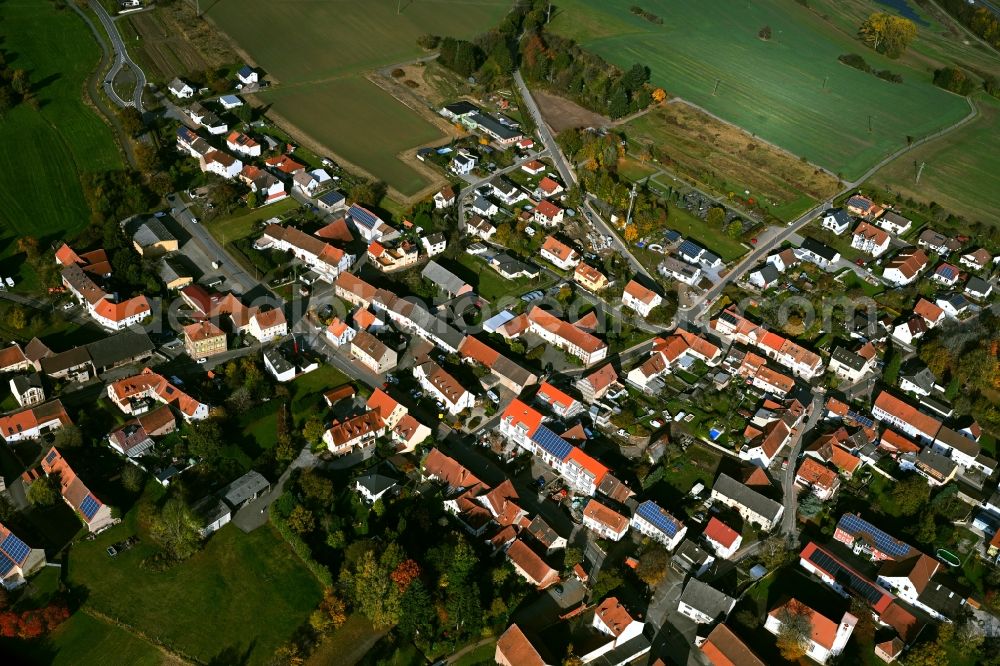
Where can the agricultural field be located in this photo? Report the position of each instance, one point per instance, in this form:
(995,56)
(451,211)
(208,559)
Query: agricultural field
(726,160)
(960,169)
(790,90)
(213,590)
(171,42)
(317,55)
(43,152)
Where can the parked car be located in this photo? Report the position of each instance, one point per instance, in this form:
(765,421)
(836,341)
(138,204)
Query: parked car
(493,396)
(202,360)
(655,424)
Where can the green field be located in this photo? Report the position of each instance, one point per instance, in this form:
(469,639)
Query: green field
(243,594)
(43,152)
(318,54)
(774,89)
(960,171)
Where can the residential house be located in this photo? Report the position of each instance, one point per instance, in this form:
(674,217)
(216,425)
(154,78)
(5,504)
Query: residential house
(640,299)
(703,604)
(865,538)
(894,223)
(306,183)
(203,339)
(560,403)
(323,258)
(444,280)
(770,431)
(946,274)
(506,372)
(680,271)
(95,514)
(135,437)
(445,197)
(388,257)
(689,558)
(33,421)
(373,487)
(846,580)
(723,648)
(408,433)
(836,220)
(506,191)
(247,75)
(558,253)
(978,288)
(870,239)
(175,272)
(152,239)
(929,312)
(954,305)
(391,411)
(605,521)
(566,336)
(589,277)
(912,329)
(354,290)
(548,214)
(27,389)
(783,260)
(339,333)
(135,395)
(443,387)
(369,225)
(357,432)
(511,268)
(503,134)
(801,361)
(245,489)
(372,353)
(221,164)
(862,206)
(12,359)
(514,649)
(332,202)
(434,244)
(919,381)
(238,142)
(485,207)
(18,559)
(976,260)
(937,243)
(821,480)
(754,507)
(463,164)
(530,567)
(852,366)
(723,539)
(827,638)
(180,89)
(596,385)
(112,315)
(230,102)
(547,187)
(476,226)
(912,581)
(653,521)
(627,643)
(268,187)
(267,325)
(533,168)
(813,251)
(680,349)
(764,276)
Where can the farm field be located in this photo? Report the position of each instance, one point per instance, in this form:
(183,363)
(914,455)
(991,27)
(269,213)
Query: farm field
(232,573)
(961,168)
(790,90)
(318,53)
(724,159)
(85,640)
(43,152)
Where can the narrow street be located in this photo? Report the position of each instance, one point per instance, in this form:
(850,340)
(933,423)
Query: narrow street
(789,524)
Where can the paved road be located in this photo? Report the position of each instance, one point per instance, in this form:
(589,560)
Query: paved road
(121,61)
(470,189)
(789,525)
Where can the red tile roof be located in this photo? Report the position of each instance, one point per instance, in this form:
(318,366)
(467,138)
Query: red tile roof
(928,311)
(530,563)
(719,532)
(565,330)
(519,413)
(588,463)
(723,648)
(605,515)
(824,630)
(908,414)
(614,615)
(202,330)
(814,473)
(515,649)
(557,248)
(12,356)
(640,293)
(547,209)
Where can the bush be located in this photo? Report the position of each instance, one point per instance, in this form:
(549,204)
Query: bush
(397,73)
(855,61)
(301,549)
(428,42)
(765,33)
(954,80)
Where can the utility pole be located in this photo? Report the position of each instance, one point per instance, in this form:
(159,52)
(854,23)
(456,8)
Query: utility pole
(717,81)
(920,170)
(631,202)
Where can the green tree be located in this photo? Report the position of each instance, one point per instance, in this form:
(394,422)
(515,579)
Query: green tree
(735,229)
(301,520)
(68,436)
(911,495)
(315,487)
(887,33)
(416,611)
(716,216)
(132,121)
(653,566)
(205,439)
(132,478)
(796,629)
(313,429)
(44,491)
(175,529)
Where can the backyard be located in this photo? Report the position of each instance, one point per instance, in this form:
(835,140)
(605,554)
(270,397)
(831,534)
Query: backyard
(790,90)
(329,98)
(44,152)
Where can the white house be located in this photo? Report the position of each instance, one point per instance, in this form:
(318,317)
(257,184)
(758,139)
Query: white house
(853,365)
(559,254)
(704,604)
(434,244)
(894,223)
(828,637)
(339,333)
(548,214)
(640,299)
(905,267)
(813,251)
(20,560)
(506,191)
(463,164)
(230,102)
(221,164)
(653,521)
(180,90)
(836,220)
(604,520)
(247,75)
(33,421)
(754,507)
(954,305)
(269,325)
(241,143)
(485,207)
(724,540)
(443,387)
(870,239)
(444,197)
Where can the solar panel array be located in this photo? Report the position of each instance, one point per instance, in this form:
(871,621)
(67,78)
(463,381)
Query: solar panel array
(362,216)
(861,419)
(552,443)
(659,518)
(866,589)
(5,566)
(16,549)
(89,506)
(854,524)
(52,456)
(690,249)
(947,272)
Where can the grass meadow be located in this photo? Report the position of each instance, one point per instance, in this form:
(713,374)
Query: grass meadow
(960,171)
(43,152)
(790,90)
(318,53)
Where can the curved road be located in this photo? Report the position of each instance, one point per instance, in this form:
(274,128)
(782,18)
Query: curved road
(699,308)
(121,61)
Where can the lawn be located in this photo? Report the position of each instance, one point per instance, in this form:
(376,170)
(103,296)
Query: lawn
(247,222)
(308,390)
(200,607)
(790,90)
(697,229)
(960,169)
(317,55)
(493,286)
(84,640)
(44,152)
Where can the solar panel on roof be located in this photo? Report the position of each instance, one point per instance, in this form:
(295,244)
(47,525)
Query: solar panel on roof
(861,419)
(52,456)
(659,518)
(887,544)
(89,506)
(690,248)
(551,442)
(362,216)
(5,566)
(863,588)
(15,549)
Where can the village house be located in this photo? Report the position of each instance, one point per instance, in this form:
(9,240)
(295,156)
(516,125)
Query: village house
(558,253)
(852,366)
(19,559)
(604,520)
(267,325)
(724,540)
(937,243)
(354,433)
(836,220)
(639,298)
(827,638)
(239,142)
(566,336)
(444,280)
(589,277)
(136,394)
(723,648)
(514,649)
(862,206)
(372,353)
(531,567)
(445,197)
(976,260)
(388,257)
(476,226)
(680,271)
(560,403)
(33,421)
(443,387)
(135,437)
(548,214)
(703,604)
(323,258)
(653,521)
(339,333)
(95,514)
(821,480)
(112,315)
(203,339)
(27,389)
(946,274)
(596,385)
(905,417)
(268,187)
(870,239)
(547,187)
(434,244)
(463,164)
(152,239)
(815,252)
(221,164)
(978,288)
(180,89)
(894,223)
(754,507)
